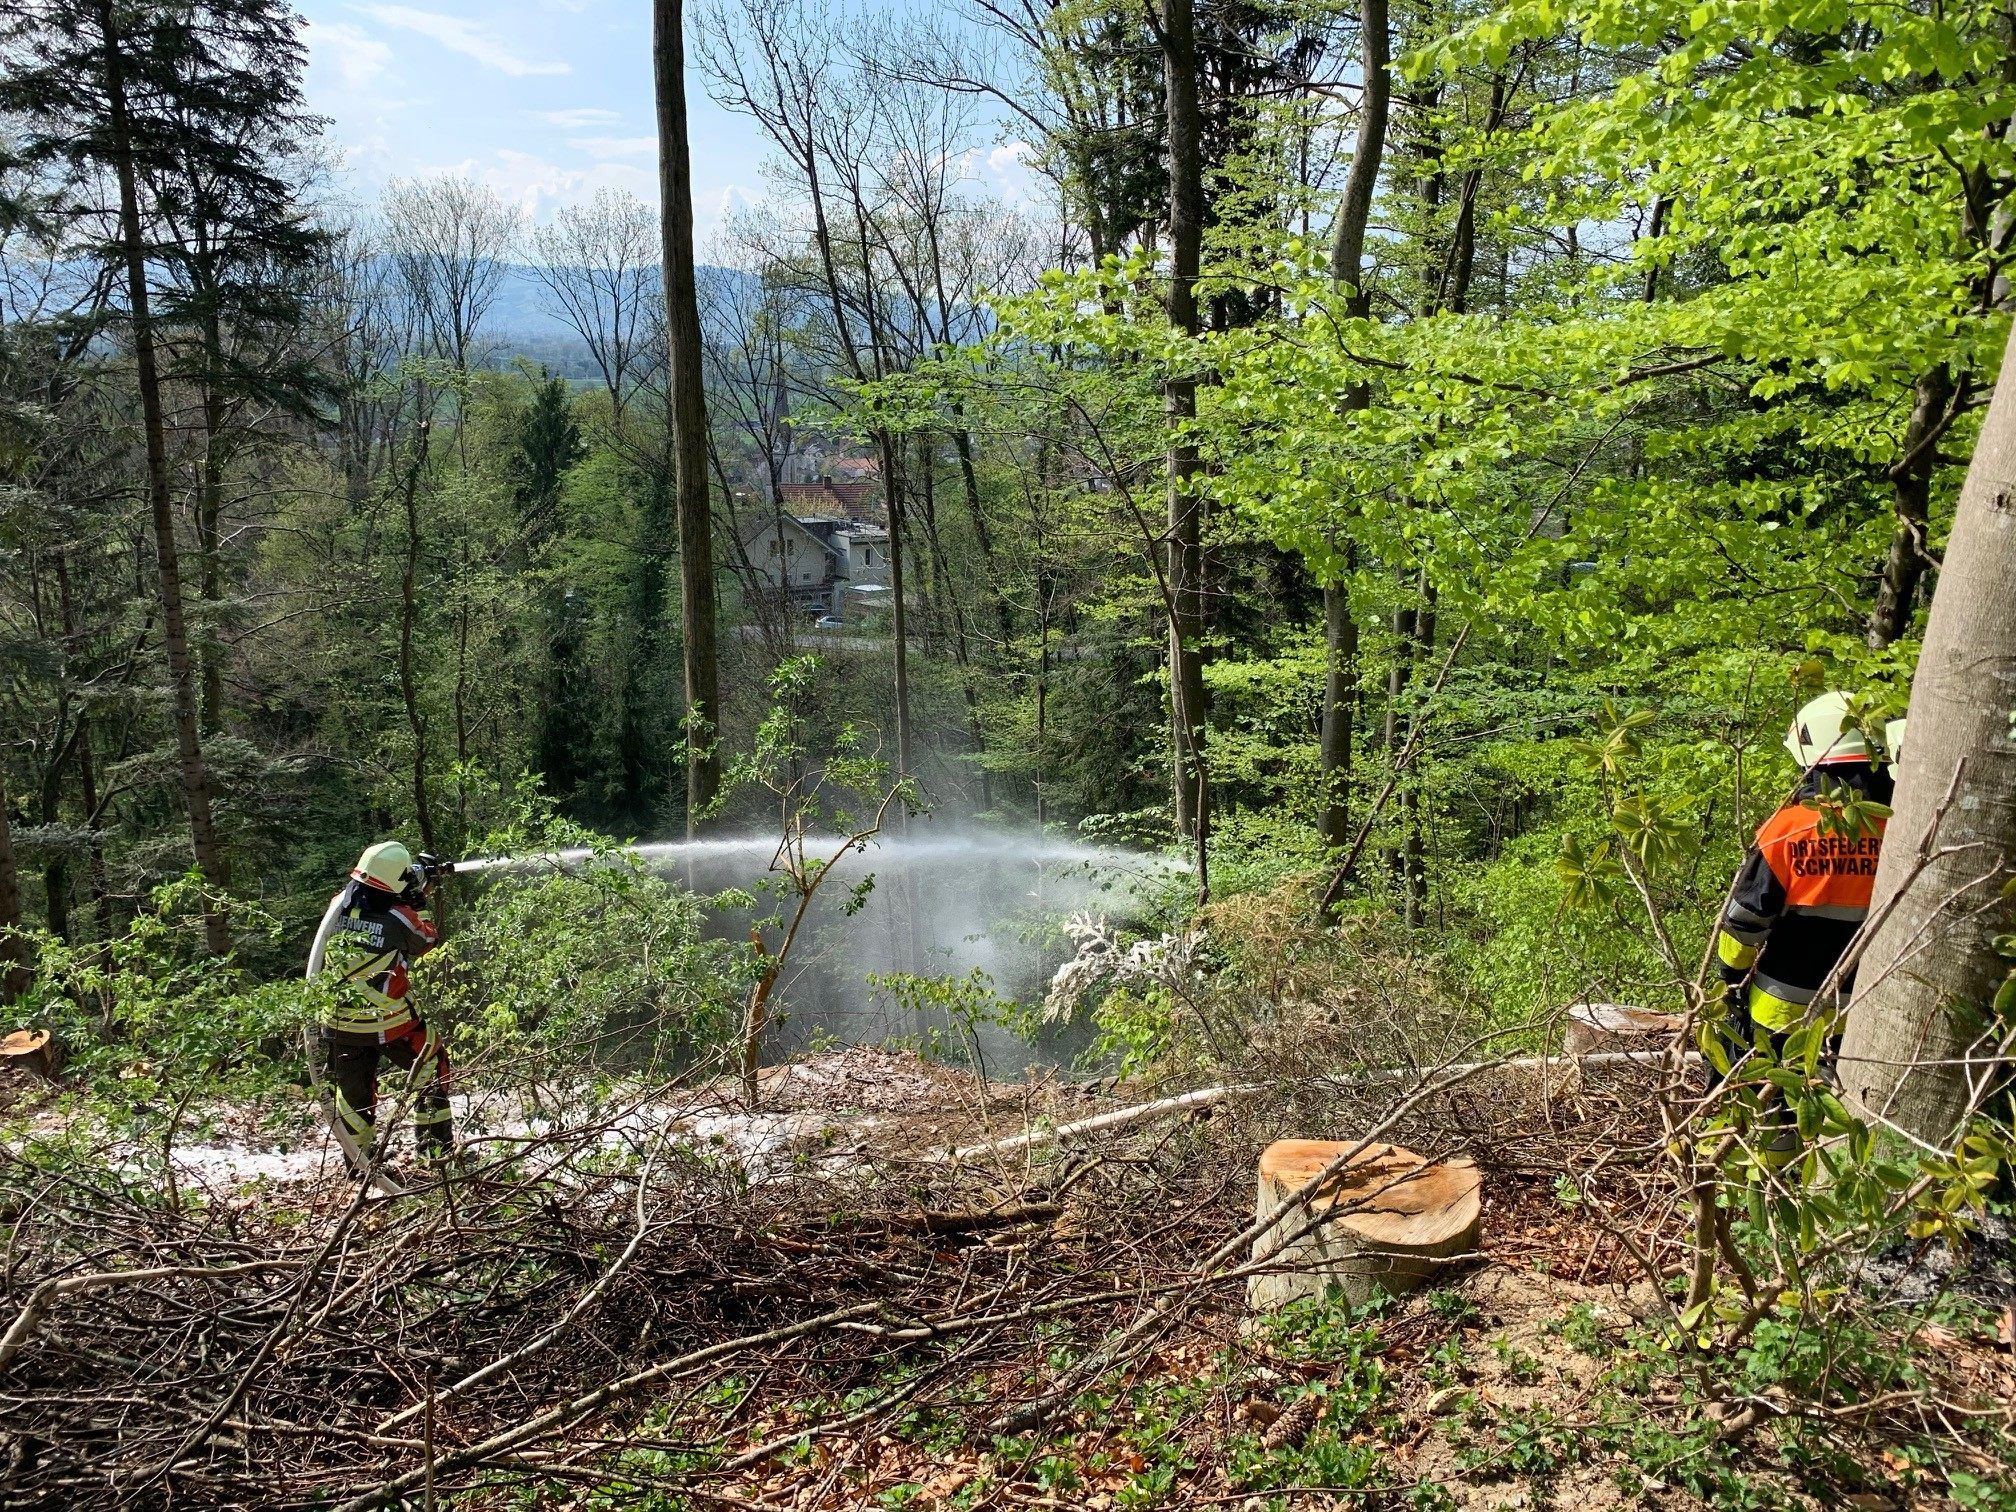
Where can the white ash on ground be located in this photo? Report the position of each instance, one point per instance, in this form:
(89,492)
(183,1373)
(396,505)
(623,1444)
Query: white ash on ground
(830,1109)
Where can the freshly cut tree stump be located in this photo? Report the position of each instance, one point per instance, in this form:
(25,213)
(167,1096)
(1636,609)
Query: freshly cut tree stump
(31,1050)
(1597,1027)
(1389,1217)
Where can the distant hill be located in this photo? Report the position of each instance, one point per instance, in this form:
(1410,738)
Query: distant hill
(523,317)
(524,323)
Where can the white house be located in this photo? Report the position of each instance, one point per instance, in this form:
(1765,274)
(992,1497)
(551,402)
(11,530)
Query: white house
(864,555)
(824,565)
(786,554)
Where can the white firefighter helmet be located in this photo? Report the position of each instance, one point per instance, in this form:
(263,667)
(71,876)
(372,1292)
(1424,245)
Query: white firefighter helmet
(388,864)
(1893,744)
(1822,732)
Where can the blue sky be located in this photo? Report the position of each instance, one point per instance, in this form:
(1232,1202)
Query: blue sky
(546,100)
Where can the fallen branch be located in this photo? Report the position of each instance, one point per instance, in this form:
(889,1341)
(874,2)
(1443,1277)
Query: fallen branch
(44,1296)
(1208,1097)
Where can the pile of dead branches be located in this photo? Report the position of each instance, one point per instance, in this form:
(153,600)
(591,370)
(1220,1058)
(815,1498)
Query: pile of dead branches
(608,1289)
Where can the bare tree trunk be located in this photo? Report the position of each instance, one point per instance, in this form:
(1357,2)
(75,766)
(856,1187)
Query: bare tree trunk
(1179,402)
(1415,864)
(1347,258)
(1398,676)
(409,607)
(1930,971)
(13,948)
(687,411)
(195,779)
(892,498)
(87,784)
(87,767)
(209,532)
(962,653)
(56,865)
(969,479)
(1340,677)
(1911,496)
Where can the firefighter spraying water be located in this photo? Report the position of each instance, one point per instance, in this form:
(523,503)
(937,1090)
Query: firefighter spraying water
(375,927)
(967,895)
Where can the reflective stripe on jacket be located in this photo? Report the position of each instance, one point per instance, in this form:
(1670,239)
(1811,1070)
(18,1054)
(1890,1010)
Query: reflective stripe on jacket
(1802,894)
(376,939)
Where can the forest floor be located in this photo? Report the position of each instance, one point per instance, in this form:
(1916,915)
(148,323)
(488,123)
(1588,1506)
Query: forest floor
(677,1303)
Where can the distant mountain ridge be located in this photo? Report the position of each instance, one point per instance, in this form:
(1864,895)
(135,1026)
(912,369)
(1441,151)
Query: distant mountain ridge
(524,320)
(525,307)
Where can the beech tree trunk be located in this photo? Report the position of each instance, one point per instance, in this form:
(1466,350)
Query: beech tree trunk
(1184,544)
(1347,257)
(687,412)
(1340,678)
(1921,1038)
(195,778)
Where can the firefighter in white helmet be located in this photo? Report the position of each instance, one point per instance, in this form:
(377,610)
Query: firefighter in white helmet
(1805,888)
(382,927)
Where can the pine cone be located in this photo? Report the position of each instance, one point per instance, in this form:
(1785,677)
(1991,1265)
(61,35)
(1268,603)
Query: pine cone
(1293,1425)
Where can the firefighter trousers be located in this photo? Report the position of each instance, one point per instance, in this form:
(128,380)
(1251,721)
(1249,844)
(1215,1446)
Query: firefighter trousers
(351,1064)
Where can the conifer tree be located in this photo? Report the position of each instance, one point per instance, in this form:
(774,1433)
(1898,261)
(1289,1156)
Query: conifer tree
(547,444)
(135,104)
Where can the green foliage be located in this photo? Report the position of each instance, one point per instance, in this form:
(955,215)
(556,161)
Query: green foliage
(599,960)
(961,1003)
(1581,1329)
(151,1011)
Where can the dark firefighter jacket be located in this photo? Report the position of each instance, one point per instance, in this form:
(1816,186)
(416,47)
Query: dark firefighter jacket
(377,937)
(1802,894)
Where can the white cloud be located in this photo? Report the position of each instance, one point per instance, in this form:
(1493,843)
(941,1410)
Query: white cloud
(358,57)
(541,187)
(615,147)
(460,36)
(579,119)
(1009,155)
(1008,173)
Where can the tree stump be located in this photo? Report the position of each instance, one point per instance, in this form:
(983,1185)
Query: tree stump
(31,1050)
(1389,1218)
(1598,1027)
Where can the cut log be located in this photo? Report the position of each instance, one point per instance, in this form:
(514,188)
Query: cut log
(1595,1027)
(1389,1220)
(31,1050)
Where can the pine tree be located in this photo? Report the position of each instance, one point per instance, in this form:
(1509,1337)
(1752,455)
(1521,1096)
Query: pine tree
(136,104)
(548,442)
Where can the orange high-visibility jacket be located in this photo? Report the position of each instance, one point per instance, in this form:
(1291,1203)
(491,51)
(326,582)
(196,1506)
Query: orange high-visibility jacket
(1801,896)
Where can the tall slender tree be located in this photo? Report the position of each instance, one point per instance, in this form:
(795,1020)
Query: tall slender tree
(686,412)
(1347,271)
(13,944)
(1184,571)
